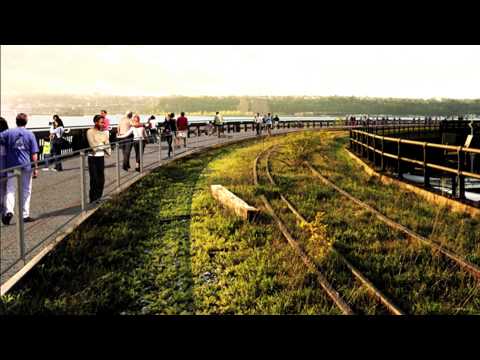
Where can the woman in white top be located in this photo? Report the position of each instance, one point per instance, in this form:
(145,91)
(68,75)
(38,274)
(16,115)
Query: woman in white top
(139,136)
(56,134)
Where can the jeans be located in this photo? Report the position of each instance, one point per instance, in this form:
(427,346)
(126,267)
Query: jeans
(96,170)
(169,139)
(259,128)
(56,152)
(47,158)
(127,149)
(136,145)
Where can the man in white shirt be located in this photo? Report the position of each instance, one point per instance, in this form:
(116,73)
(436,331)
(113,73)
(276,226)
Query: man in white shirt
(258,123)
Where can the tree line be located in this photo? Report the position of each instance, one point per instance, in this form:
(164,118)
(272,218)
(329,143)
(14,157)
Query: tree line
(244,105)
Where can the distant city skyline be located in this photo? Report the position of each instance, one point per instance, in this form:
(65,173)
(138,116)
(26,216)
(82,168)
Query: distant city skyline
(232,70)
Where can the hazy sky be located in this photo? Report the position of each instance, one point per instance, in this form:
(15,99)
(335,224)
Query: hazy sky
(385,71)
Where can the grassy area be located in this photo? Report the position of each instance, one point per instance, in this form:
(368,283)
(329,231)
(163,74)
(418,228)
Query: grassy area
(417,281)
(167,247)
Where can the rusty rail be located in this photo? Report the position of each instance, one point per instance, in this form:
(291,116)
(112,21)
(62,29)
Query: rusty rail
(327,287)
(391,307)
(468,266)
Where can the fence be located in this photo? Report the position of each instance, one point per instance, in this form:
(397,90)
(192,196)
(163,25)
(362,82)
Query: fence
(401,154)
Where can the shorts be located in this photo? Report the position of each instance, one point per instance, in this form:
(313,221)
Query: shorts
(182,134)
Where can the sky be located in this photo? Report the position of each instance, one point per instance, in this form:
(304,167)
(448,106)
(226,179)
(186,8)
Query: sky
(224,70)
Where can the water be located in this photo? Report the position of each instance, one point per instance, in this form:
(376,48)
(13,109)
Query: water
(41,121)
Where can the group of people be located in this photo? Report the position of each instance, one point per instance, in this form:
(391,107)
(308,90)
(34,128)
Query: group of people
(19,148)
(53,145)
(265,121)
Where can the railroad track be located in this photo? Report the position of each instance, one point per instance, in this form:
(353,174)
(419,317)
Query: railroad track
(458,260)
(346,309)
(373,290)
(327,287)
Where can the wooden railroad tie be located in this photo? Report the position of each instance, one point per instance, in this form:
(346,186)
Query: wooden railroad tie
(232,202)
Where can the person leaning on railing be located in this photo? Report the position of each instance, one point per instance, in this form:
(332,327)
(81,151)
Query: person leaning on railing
(21,150)
(139,137)
(123,127)
(100,146)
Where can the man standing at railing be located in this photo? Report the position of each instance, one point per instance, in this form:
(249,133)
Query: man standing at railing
(182,128)
(258,123)
(107,122)
(218,122)
(268,124)
(123,127)
(100,145)
(22,149)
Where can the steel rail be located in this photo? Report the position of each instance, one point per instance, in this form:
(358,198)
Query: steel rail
(468,266)
(327,287)
(391,307)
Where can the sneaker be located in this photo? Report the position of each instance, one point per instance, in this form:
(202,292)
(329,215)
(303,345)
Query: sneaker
(54,170)
(6,218)
(29,219)
(45,169)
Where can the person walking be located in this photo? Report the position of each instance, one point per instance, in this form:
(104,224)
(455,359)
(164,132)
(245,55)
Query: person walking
(218,121)
(182,128)
(21,149)
(153,129)
(258,123)
(100,146)
(57,131)
(276,120)
(3,165)
(123,127)
(268,124)
(169,129)
(139,137)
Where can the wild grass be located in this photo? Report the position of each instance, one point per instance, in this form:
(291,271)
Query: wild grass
(167,247)
(417,281)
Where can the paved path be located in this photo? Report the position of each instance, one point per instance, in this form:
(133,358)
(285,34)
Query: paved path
(56,198)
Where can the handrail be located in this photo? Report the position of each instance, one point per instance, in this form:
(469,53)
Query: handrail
(361,138)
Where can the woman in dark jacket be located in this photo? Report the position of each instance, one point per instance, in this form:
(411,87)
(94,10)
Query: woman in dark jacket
(169,130)
(56,133)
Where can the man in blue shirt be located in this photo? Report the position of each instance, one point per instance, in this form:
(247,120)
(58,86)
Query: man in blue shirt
(22,149)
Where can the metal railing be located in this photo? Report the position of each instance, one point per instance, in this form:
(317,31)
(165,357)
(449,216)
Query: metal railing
(400,153)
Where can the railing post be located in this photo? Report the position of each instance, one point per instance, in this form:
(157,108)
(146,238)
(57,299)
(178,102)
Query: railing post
(160,149)
(83,187)
(374,151)
(140,149)
(382,158)
(461,178)
(117,163)
(19,211)
(399,165)
(426,172)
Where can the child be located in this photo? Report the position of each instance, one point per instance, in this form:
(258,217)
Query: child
(46,151)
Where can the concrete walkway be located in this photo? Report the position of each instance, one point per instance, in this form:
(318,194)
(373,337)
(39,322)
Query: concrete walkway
(56,198)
